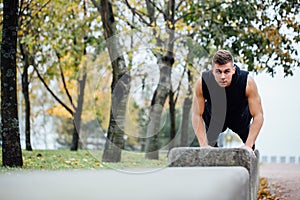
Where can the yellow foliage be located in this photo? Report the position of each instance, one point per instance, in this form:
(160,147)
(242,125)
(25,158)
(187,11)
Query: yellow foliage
(98,19)
(20,33)
(258,67)
(58,110)
(181,7)
(180,25)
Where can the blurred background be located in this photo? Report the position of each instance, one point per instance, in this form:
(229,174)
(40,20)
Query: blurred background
(126,70)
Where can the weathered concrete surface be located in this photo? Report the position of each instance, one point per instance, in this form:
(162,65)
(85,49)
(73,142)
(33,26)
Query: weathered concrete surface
(207,183)
(193,156)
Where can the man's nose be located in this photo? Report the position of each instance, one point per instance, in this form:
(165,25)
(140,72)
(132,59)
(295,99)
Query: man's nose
(222,75)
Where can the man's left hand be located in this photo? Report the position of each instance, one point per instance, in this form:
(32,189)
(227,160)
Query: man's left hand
(248,149)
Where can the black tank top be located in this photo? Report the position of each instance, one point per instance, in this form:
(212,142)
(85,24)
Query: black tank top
(226,107)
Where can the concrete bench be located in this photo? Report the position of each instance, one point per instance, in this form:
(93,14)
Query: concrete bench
(225,157)
(176,183)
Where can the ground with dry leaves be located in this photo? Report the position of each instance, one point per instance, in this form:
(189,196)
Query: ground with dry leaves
(279,182)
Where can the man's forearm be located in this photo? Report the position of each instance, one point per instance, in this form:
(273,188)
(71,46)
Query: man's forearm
(199,129)
(254,130)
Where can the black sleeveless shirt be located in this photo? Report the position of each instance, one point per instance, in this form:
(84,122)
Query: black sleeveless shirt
(226,107)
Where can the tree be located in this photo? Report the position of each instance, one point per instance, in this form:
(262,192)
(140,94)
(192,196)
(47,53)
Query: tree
(165,61)
(28,13)
(25,91)
(173,98)
(194,57)
(120,86)
(257,38)
(11,147)
(187,104)
(65,40)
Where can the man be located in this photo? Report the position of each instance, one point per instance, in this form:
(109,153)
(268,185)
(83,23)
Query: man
(226,97)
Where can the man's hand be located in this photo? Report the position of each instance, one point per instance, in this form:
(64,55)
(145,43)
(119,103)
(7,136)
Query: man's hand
(206,146)
(249,149)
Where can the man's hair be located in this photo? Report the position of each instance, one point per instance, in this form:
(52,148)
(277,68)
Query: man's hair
(222,57)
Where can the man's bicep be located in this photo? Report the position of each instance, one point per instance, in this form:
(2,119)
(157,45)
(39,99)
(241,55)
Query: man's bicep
(254,99)
(197,105)
(198,99)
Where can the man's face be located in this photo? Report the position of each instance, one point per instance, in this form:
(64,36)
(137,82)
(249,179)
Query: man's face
(223,74)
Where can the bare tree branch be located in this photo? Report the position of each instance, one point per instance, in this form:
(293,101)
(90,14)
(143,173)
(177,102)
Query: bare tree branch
(193,12)
(179,85)
(132,26)
(183,16)
(51,92)
(21,12)
(98,6)
(158,9)
(140,14)
(179,4)
(64,81)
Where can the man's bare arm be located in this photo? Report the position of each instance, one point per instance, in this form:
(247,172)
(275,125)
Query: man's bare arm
(256,111)
(197,112)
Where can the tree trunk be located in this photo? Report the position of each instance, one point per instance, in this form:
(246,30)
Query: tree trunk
(75,137)
(172,112)
(119,88)
(11,147)
(25,90)
(78,112)
(185,121)
(187,104)
(158,100)
(157,104)
(115,136)
(172,103)
(80,99)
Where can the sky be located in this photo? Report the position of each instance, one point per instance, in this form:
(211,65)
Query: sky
(280,135)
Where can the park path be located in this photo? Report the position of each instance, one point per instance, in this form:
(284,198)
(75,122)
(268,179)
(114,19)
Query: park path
(284,179)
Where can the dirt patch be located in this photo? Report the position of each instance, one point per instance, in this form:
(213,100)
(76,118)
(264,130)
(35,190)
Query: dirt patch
(284,180)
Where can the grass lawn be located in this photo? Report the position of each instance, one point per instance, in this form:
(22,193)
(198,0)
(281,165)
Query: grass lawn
(82,159)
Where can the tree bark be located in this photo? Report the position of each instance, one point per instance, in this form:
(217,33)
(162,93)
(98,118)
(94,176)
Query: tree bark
(78,112)
(11,147)
(25,90)
(172,108)
(187,104)
(172,112)
(159,98)
(75,137)
(119,88)
(80,99)
(165,63)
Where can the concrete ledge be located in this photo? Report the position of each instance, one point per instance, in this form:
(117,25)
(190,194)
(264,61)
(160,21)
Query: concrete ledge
(208,183)
(191,157)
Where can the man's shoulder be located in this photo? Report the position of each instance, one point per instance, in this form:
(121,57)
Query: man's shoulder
(241,71)
(244,72)
(207,71)
(206,74)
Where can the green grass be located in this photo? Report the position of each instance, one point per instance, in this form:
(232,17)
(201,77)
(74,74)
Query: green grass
(82,159)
